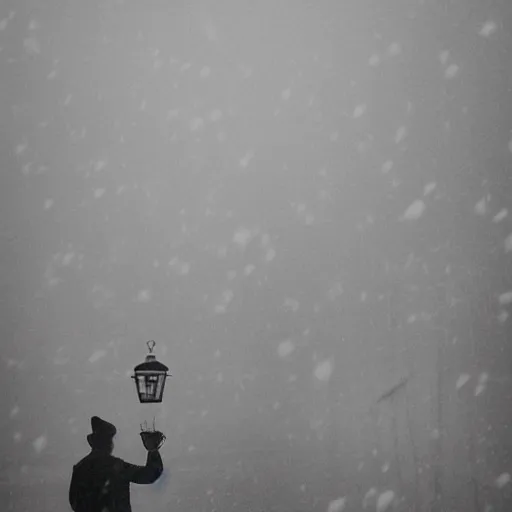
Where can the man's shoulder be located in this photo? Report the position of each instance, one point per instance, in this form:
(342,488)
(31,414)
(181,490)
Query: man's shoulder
(117,463)
(104,460)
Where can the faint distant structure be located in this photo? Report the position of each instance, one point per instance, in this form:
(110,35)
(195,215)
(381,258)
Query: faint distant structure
(437,501)
(394,303)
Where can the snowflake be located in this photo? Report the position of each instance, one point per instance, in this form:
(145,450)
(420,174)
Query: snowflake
(444,56)
(387,166)
(40,444)
(385,500)
(205,72)
(400,134)
(500,215)
(488,28)
(462,380)
(32,46)
(270,254)
(68,258)
(291,304)
(451,71)
(374,60)
(371,493)
(414,211)
(508,243)
(285,348)
(215,115)
(502,480)
(359,111)
(246,159)
(184,269)
(481,207)
(144,296)
(97,355)
(242,237)
(429,188)
(394,49)
(337,505)
(505,298)
(502,317)
(196,124)
(323,371)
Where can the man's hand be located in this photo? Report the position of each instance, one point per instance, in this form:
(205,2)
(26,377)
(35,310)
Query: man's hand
(152,440)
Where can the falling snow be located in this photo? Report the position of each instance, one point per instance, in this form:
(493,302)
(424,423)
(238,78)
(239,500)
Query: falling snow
(501,215)
(385,500)
(32,46)
(502,480)
(253,201)
(216,115)
(291,304)
(359,111)
(505,298)
(488,28)
(242,237)
(387,166)
(374,60)
(429,188)
(414,211)
(451,71)
(337,505)
(481,207)
(205,72)
(508,243)
(370,494)
(400,134)
(444,57)
(323,371)
(270,254)
(285,348)
(196,124)
(462,380)
(40,443)
(502,317)
(394,49)
(246,159)
(97,355)
(144,296)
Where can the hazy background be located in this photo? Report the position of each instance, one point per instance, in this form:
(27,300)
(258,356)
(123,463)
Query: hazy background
(305,203)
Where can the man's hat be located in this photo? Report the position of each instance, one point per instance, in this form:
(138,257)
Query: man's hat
(102,429)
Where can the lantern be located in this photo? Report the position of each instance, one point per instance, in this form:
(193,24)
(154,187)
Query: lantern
(150,378)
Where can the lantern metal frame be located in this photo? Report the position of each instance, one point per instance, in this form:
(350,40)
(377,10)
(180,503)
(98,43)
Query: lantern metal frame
(150,377)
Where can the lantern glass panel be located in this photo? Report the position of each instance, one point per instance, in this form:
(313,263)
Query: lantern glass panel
(151,381)
(141,386)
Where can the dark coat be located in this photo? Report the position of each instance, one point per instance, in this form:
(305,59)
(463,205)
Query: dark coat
(101,482)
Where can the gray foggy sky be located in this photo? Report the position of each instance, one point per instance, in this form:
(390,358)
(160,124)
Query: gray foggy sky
(303,203)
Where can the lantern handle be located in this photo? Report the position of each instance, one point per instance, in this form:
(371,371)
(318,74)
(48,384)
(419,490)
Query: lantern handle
(151,345)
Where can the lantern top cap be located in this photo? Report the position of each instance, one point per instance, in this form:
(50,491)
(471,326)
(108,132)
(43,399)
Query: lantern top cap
(151,345)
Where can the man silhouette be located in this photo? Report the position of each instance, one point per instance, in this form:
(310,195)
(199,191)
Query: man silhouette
(101,482)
